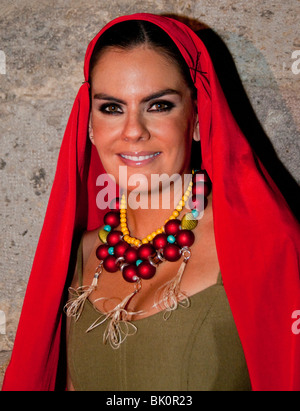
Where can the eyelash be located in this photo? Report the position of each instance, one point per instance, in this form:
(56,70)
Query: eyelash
(105,108)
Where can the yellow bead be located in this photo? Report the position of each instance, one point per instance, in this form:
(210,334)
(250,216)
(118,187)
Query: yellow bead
(181,203)
(125,232)
(123,220)
(137,243)
(145,241)
(149,237)
(159,231)
(126,238)
(175,213)
(179,208)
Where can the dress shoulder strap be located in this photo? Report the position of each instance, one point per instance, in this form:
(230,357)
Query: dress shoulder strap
(220,279)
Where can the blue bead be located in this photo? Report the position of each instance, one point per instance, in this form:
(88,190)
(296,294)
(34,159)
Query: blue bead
(107,228)
(195,213)
(111,251)
(171,239)
(138,262)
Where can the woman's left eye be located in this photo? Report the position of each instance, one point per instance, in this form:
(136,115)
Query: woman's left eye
(161,106)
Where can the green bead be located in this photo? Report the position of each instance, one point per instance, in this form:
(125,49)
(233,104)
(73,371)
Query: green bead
(189,222)
(103,235)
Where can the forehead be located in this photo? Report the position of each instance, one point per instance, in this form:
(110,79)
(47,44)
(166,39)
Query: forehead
(141,69)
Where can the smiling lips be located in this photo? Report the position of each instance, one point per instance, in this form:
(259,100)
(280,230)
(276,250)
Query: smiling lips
(139,159)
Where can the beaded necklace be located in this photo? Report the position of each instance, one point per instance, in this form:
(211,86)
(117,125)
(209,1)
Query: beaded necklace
(138,260)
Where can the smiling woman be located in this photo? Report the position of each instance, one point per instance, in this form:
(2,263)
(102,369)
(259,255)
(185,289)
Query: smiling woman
(144,116)
(163,298)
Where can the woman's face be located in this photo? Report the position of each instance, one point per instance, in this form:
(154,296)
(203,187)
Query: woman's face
(142,114)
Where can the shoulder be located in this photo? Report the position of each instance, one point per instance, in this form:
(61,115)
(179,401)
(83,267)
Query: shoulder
(89,241)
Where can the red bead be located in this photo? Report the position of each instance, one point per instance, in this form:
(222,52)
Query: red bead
(172,252)
(130,273)
(201,176)
(145,251)
(198,202)
(172,227)
(120,249)
(115,204)
(201,189)
(112,218)
(110,265)
(160,241)
(185,238)
(102,252)
(131,255)
(113,238)
(146,270)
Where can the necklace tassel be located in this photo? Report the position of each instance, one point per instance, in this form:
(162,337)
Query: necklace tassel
(118,327)
(75,305)
(171,295)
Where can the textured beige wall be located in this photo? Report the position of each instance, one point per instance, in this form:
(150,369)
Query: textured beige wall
(42,50)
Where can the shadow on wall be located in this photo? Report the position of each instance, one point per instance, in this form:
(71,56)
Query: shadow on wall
(244,113)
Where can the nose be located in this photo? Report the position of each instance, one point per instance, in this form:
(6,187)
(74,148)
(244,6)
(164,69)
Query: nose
(135,128)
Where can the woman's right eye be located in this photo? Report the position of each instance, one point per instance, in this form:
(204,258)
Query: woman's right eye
(111,109)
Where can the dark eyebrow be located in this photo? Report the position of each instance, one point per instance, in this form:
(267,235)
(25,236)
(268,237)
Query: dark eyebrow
(162,93)
(102,96)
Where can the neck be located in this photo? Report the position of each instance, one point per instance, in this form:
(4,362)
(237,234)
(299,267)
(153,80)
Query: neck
(155,208)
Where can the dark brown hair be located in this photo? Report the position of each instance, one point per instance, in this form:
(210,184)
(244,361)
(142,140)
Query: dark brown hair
(130,34)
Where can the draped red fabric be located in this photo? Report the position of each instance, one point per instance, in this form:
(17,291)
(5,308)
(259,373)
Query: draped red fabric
(257,236)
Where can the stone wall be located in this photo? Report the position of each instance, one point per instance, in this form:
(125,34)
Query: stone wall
(42,47)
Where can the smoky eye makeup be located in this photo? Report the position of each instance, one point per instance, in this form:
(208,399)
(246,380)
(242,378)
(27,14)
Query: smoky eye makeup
(161,106)
(110,109)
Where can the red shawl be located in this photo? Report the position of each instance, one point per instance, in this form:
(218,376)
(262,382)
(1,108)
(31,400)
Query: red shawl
(257,236)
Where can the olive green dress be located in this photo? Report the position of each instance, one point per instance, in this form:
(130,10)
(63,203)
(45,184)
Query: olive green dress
(196,349)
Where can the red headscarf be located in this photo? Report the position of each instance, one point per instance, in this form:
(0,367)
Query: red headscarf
(257,237)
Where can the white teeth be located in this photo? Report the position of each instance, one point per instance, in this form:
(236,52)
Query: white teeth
(139,158)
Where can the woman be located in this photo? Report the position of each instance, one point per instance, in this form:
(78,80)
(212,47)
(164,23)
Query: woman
(143,103)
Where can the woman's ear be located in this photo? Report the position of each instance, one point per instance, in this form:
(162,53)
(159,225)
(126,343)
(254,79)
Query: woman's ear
(196,135)
(91,134)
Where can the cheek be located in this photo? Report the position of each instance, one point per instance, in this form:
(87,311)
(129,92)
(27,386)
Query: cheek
(178,134)
(103,131)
